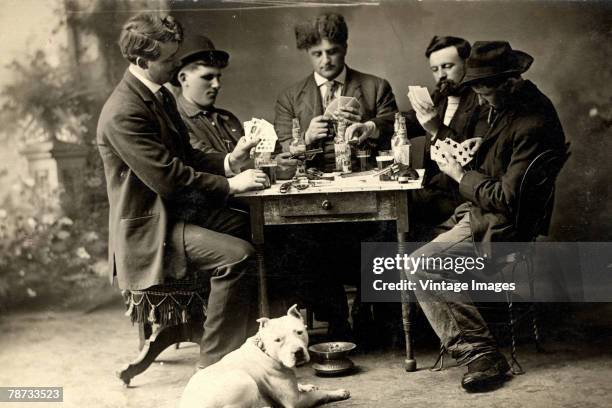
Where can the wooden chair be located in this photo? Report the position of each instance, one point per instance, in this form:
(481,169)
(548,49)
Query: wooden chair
(534,211)
(176,310)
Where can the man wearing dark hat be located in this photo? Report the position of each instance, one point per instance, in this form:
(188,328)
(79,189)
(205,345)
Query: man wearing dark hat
(211,129)
(199,76)
(453,115)
(152,172)
(520,123)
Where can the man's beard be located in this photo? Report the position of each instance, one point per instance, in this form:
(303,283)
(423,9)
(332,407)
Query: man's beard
(448,87)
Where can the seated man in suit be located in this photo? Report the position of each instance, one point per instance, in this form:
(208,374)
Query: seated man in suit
(324,40)
(151,173)
(454,114)
(521,122)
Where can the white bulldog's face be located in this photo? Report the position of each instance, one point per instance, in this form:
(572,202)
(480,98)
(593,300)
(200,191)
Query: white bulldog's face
(285,338)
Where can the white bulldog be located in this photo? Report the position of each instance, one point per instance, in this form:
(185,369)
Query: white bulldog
(261,372)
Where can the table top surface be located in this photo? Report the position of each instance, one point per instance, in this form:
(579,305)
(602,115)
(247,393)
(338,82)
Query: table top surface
(354,183)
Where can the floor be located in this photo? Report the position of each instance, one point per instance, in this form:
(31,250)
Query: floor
(81,351)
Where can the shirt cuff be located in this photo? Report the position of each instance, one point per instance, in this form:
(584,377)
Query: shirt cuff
(226,166)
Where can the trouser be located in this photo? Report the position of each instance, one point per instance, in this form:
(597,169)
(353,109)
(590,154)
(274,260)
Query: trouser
(321,258)
(453,316)
(429,208)
(217,248)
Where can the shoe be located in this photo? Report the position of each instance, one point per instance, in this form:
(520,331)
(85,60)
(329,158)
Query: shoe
(485,372)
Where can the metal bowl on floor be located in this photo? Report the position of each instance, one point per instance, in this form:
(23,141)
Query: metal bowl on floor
(331,358)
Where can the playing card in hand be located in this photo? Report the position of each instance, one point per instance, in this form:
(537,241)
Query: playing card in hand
(421,94)
(450,148)
(263,130)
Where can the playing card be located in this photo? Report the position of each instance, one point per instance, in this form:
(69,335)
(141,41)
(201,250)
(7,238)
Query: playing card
(450,148)
(349,102)
(341,102)
(421,94)
(263,130)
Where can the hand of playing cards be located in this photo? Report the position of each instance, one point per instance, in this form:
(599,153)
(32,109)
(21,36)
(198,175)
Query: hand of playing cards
(462,152)
(341,102)
(420,94)
(262,129)
(423,106)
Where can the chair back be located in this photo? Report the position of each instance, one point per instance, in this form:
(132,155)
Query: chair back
(537,192)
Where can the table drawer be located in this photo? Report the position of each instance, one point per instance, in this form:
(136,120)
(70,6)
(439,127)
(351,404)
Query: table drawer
(328,204)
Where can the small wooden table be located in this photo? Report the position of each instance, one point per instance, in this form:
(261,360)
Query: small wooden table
(350,199)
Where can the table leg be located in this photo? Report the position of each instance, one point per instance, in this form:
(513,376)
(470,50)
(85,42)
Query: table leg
(402,224)
(257,234)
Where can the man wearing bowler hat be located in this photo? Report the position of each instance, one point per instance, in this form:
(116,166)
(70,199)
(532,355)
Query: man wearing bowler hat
(519,124)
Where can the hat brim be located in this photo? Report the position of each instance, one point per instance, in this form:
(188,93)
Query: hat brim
(474,75)
(206,55)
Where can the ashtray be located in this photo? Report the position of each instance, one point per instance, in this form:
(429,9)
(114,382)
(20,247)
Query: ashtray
(331,358)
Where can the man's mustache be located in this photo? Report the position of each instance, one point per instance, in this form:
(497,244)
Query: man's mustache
(448,87)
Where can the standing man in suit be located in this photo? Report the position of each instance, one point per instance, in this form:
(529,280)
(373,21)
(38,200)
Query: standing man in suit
(151,174)
(520,123)
(454,114)
(324,39)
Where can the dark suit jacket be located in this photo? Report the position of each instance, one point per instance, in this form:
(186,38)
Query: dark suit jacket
(525,128)
(303,101)
(150,167)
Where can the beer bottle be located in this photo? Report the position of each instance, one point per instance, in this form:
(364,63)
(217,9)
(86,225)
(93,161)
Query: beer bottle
(342,149)
(400,145)
(297,145)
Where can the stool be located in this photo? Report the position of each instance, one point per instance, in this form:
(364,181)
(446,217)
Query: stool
(177,310)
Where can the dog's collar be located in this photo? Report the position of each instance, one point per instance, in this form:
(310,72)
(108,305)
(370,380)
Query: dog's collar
(260,344)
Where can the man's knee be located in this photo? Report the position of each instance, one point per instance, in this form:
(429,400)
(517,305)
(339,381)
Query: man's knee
(239,250)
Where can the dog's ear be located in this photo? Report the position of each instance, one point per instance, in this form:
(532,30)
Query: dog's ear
(263,321)
(294,312)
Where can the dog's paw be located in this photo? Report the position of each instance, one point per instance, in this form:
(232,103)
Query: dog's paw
(341,394)
(307,387)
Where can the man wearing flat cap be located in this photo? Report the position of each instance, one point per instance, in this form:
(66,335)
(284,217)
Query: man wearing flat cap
(519,124)
(211,129)
(199,76)
(453,115)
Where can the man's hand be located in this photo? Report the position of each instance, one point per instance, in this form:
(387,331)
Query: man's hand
(362,131)
(240,155)
(318,129)
(286,166)
(426,114)
(248,180)
(474,144)
(451,167)
(349,114)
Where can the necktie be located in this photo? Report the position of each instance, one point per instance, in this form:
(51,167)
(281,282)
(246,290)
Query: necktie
(167,100)
(330,95)
(169,103)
